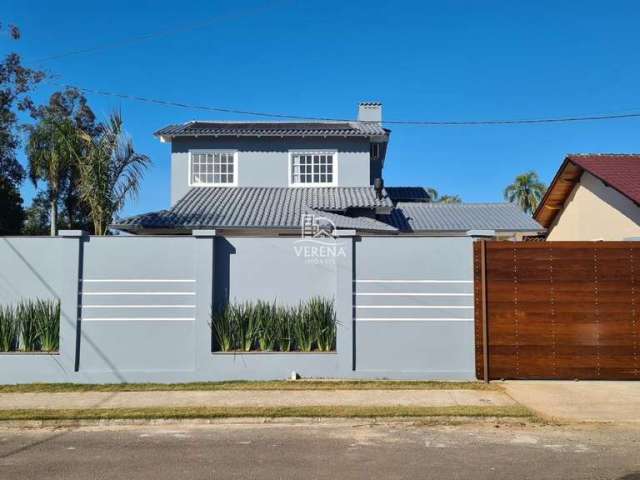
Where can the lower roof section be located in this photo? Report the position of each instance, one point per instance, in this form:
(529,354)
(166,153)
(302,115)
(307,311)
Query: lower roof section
(280,209)
(263,207)
(452,217)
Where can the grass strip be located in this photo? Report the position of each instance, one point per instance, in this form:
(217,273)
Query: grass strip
(248,385)
(264,412)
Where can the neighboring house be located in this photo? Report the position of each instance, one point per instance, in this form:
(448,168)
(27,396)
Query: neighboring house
(263,178)
(593,197)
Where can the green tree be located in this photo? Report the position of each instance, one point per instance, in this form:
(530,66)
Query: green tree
(111,173)
(527,190)
(73,213)
(450,199)
(435,197)
(55,145)
(16,81)
(36,218)
(11,211)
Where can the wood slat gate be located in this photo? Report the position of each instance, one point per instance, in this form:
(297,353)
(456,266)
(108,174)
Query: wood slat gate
(557,310)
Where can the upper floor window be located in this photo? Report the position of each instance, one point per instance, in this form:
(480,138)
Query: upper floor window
(313,168)
(213,168)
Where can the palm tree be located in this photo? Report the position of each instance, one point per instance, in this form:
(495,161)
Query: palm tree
(450,199)
(53,147)
(111,173)
(435,197)
(527,190)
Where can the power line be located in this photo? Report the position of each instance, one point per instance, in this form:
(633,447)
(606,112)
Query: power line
(525,121)
(212,20)
(467,123)
(158,33)
(197,107)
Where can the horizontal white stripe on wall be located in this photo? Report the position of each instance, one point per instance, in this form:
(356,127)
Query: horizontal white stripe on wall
(414,319)
(413,281)
(136,293)
(138,306)
(394,294)
(456,307)
(140,319)
(137,280)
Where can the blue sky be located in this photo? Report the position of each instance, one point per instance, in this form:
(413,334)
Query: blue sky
(455,60)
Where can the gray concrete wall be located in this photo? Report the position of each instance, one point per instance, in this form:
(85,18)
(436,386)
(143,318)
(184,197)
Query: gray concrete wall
(30,267)
(263,162)
(253,268)
(414,307)
(137,309)
(138,294)
(36,267)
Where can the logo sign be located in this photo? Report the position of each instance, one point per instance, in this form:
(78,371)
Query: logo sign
(317,244)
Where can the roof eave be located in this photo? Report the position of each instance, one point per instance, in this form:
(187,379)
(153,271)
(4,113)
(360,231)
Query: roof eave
(168,138)
(184,230)
(464,232)
(538,214)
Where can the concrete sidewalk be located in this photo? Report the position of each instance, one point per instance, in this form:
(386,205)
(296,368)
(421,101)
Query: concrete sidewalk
(254,398)
(584,401)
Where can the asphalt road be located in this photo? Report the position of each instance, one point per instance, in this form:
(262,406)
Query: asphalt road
(334,450)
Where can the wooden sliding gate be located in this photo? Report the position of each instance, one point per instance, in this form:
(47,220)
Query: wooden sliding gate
(557,310)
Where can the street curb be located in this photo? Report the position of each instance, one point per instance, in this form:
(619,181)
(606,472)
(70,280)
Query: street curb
(421,420)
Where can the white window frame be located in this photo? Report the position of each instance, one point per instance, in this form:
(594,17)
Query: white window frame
(213,151)
(334,153)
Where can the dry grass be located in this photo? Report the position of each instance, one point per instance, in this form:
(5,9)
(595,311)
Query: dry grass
(515,411)
(247,385)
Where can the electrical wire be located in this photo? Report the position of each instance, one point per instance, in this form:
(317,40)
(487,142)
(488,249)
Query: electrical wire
(467,123)
(212,20)
(158,33)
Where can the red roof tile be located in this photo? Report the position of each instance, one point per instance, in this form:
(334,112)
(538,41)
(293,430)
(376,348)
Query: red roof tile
(619,171)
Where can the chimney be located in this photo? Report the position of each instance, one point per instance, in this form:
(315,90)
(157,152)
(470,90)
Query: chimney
(370,112)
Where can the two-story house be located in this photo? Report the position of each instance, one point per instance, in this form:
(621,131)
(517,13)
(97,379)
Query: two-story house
(263,178)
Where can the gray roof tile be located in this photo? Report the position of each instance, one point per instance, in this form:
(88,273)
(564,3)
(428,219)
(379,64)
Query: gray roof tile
(281,207)
(425,217)
(286,129)
(355,223)
(257,207)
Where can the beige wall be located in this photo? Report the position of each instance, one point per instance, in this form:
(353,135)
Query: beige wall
(594,211)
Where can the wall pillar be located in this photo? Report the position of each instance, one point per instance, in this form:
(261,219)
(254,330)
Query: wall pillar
(70,276)
(345,275)
(204,275)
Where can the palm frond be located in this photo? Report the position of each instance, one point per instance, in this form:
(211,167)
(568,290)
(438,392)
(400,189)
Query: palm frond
(111,173)
(526,191)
